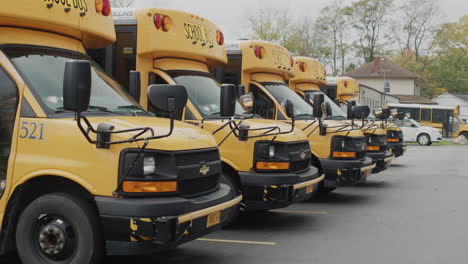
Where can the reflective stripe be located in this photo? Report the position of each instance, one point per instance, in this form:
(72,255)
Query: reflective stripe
(308,183)
(204,212)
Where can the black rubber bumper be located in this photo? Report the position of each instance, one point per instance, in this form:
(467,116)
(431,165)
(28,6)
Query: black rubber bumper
(265,191)
(134,226)
(398,149)
(345,172)
(382,160)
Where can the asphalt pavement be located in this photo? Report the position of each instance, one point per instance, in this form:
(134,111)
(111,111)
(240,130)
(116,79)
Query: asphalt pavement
(415,212)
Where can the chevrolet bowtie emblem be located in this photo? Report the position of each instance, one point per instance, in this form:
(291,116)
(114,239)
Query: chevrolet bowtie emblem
(204,169)
(303,155)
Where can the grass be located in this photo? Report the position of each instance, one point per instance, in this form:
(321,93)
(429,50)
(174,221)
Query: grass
(441,143)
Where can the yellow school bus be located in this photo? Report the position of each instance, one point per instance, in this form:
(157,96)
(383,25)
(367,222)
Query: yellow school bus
(85,170)
(268,162)
(445,118)
(344,90)
(264,68)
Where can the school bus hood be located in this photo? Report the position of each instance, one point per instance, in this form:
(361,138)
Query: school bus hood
(332,126)
(184,136)
(295,135)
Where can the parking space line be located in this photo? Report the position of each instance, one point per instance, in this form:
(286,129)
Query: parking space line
(300,212)
(237,241)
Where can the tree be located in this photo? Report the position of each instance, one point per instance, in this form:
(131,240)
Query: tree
(331,27)
(367,17)
(413,28)
(450,66)
(271,25)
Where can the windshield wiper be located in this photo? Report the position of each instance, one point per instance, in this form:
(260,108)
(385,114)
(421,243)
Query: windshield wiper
(130,106)
(99,108)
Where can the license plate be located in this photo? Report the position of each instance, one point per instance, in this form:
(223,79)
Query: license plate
(281,59)
(309,189)
(213,219)
(198,33)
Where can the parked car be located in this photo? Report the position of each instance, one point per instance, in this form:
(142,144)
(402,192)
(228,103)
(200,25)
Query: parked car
(413,131)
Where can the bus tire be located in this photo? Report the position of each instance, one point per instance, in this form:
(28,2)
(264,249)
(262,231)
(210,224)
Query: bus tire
(323,190)
(424,139)
(229,181)
(465,134)
(59,228)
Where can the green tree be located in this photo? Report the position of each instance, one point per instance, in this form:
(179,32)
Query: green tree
(368,17)
(449,68)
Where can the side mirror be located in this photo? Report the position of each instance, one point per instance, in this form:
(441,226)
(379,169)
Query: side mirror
(240,90)
(247,102)
(326,109)
(318,101)
(228,100)
(349,113)
(135,85)
(167,98)
(76,85)
(386,113)
(401,116)
(308,99)
(289,107)
(378,113)
(360,111)
(337,101)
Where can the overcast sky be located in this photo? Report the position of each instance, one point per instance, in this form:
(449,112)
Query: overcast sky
(232,15)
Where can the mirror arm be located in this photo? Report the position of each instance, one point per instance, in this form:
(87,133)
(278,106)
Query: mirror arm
(85,133)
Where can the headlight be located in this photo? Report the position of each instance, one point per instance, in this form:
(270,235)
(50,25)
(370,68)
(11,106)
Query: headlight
(376,140)
(271,151)
(265,150)
(347,147)
(149,165)
(394,136)
(152,172)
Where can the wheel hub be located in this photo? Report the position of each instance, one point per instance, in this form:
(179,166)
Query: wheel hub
(56,238)
(52,239)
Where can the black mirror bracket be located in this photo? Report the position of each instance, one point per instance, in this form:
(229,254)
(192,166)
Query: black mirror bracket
(323,128)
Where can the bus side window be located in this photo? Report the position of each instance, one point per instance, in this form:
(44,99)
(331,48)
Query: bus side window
(8,108)
(426,115)
(264,107)
(156,79)
(437,116)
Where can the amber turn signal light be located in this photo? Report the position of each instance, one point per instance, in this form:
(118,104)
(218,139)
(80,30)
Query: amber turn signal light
(343,154)
(373,148)
(149,187)
(393,140)
(265,165)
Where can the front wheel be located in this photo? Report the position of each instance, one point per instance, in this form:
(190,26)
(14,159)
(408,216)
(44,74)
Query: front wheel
(424,139)
(465,134)
(59,228)
(235,188)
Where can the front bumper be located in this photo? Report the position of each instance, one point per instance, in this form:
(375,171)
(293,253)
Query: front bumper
(345,172)
(134,226)
(382,160)
(265,191)
(398,149)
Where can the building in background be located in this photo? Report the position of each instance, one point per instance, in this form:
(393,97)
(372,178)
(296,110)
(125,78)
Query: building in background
(386,76)
(375,98)
(455,99)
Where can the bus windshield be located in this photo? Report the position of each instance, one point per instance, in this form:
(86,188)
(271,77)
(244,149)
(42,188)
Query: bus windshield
(281,93)
(336,112)
(43,71)
(203,91)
